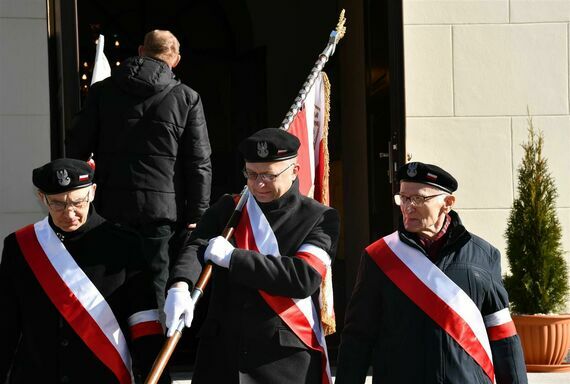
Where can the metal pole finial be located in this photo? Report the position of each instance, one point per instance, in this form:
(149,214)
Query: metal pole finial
(340,28)
(334,38)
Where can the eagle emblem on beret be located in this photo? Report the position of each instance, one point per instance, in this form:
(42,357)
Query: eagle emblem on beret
(412,169)
(262,149)
(62,177)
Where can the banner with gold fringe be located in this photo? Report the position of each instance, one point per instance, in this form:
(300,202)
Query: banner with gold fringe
(310,125)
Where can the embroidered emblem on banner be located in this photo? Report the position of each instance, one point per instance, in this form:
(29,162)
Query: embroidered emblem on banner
(262,149)
(62,177)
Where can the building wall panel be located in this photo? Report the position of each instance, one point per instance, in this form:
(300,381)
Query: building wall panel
(428,70)
(502,69)
(455,11)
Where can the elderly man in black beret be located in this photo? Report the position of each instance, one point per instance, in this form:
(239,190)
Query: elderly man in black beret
(77,305)
(429,305)
(263,322)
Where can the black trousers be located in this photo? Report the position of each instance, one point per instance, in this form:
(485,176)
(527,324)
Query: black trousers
(161,242)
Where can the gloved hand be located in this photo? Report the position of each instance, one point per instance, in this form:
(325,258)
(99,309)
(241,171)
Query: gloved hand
(219,252)
(178,305)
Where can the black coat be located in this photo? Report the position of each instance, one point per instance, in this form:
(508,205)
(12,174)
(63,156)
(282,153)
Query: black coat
(153,158)
(38,345)
(385,329)
(242,340)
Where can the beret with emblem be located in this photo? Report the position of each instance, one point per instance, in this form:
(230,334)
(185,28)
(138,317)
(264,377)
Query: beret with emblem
(427,174)
(62,175)
(269,144)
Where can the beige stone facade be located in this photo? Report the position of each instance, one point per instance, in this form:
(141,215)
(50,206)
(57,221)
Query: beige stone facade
(472,68)
(24,109)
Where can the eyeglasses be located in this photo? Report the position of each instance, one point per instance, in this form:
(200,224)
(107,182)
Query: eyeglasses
(416,200)
(60,206)
(265,177)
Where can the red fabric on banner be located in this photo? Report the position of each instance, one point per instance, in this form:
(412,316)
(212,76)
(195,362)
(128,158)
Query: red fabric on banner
(69,306)
(299,128)
(320,177)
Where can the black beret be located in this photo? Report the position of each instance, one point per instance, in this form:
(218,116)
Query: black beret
(427,174)
(62,175)
(269,144)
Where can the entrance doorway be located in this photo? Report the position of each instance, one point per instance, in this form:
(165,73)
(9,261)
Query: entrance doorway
(248,59)
(385,110)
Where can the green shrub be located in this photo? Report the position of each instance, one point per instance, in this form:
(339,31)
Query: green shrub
(538,281)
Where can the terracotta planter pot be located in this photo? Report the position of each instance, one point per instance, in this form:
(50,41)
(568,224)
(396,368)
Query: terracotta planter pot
(545,340)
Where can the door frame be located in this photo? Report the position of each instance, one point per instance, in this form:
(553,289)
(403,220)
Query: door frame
(63,59)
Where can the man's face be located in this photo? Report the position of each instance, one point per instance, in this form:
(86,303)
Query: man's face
(266,190)
(69,210)
(427,218)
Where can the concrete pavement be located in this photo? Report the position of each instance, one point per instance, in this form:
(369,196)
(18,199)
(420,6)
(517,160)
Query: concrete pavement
(533,378)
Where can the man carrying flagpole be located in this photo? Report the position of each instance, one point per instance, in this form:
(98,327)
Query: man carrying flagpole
(263,323)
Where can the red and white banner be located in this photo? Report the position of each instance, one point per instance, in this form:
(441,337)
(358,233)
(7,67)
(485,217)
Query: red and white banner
(76,297)
(437,295)
(254,232)
(311,127)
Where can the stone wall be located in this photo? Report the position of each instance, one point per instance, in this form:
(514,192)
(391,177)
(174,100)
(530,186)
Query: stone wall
(472,69)
(24,109)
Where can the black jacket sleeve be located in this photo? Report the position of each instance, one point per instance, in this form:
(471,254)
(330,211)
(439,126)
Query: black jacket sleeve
(508,358)
(288,275)
(10,321)
(361,325)
(195,153)
(186,265)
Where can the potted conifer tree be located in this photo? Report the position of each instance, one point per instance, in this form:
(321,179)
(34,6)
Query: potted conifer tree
(538,280)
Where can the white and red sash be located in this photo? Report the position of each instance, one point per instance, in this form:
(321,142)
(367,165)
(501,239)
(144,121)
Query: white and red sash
(76,297)
(441,299)
(254,233)
(145,323)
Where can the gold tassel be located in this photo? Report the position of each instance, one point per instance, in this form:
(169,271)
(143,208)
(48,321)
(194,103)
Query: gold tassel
(325,182)
(327,305)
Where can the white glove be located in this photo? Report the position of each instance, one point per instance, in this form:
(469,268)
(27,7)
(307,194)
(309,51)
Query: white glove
(178,305)
(219,252)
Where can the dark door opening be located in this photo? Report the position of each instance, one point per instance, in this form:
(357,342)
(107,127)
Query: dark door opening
(385,110)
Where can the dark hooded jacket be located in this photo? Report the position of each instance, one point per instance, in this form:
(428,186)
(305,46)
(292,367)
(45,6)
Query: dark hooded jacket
(148,133)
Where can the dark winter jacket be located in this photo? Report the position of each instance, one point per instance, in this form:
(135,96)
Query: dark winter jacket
(242,339)
(150,143)
(38,344)
(385,329)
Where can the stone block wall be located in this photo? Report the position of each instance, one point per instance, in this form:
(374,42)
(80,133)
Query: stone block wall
(24,109)
(472,69)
